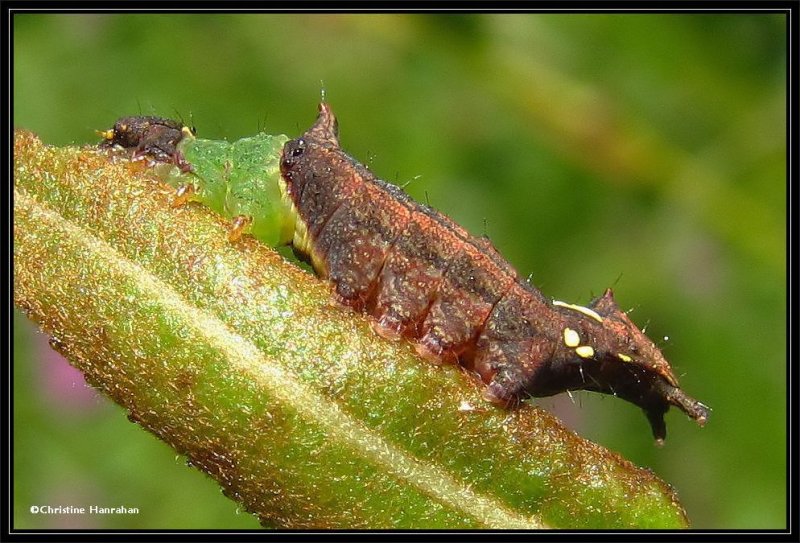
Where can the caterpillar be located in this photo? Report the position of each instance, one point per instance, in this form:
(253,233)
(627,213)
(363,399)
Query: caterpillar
(422,277)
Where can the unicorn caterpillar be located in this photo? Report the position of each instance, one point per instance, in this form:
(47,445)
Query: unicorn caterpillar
(415,272)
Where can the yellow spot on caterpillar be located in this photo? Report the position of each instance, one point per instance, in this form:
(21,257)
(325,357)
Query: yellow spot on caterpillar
(301,240)
(290,222)
(580,309)
(624,357)
(186,132)
(571,338)
(105,134)
(584,351)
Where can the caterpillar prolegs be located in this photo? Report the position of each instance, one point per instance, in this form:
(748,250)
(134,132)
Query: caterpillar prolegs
(418,274)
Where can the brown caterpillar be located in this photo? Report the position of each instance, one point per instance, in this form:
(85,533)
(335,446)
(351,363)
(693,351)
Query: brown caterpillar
(422,277)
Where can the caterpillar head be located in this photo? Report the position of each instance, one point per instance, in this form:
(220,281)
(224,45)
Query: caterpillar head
(617,358)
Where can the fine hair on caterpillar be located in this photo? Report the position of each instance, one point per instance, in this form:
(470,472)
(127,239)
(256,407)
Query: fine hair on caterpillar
(419,275)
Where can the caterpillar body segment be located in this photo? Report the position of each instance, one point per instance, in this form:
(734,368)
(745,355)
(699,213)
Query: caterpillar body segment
(239,180)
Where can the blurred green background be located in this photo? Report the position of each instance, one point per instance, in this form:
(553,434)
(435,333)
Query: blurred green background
(643,152)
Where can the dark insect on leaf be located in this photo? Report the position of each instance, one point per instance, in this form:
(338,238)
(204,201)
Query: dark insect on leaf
(421,276)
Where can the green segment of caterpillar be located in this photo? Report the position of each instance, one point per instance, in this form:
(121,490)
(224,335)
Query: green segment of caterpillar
(240,180)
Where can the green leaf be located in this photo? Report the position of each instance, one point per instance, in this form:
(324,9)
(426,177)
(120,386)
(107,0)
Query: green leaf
(237,359)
